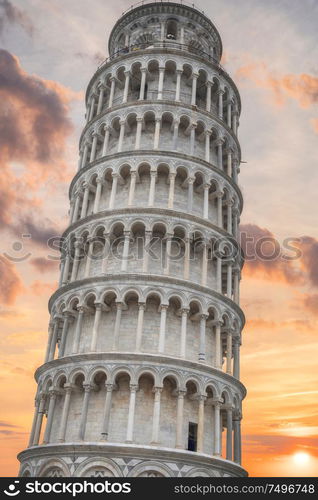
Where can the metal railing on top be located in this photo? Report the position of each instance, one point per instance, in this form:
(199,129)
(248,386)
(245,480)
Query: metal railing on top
(165,44)
(181,2)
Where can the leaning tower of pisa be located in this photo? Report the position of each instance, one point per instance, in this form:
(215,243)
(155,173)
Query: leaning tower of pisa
(141,373)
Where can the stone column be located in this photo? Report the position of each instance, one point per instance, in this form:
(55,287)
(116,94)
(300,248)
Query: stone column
(117,325)
(121,136)
(83,420)
(145,262)
(98,313)
(49,340)
(115,177)
(78,330)
(200,437)
(219,144)
(236,358)
(39,420)
(105,252)
(85,200)
(207,145)
(72,208)
(78,246)
(229,429)
(160,82)
(66,407)
(186,266)
(182,35)
(85,154)
(100,100)
(204,272)
(236,286)
(107,409)
(220,104)
(54,338)
(124,261)
(138,132)
(133,176)
(229,352)
(126,88)
(208,96)
(92,108)
(168,239)
(192,138)
(131,413)
(142,84)
(66,269)
(229,216)
(93,150)
(35,417)
(206,188)
(178,85)
(179,432)
(162,332)
(153,176)
(194,88)
(219,209)
(89,255)
(237,439)
(47,434)
(229,280)
(183,340)
(229,115)
(140,322)
(235,213)
(97,195)
(106,140)
(157,133)
(190,193)
(112,91)
(175,135)
(172,177)
(67,320)
(201,356)
(218,346)
(76,208)
(219,274)
(156,416)
(229,163)
(235,120)
(217,433)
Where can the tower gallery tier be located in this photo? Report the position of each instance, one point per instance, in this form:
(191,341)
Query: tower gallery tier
(141,375)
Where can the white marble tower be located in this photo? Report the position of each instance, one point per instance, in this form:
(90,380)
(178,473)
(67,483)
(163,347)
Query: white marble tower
(141,374)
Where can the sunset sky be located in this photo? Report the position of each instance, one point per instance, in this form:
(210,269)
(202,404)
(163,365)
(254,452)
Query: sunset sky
(49,51)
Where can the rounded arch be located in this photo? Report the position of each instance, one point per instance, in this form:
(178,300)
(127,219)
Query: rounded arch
(148,370)
(151,469)
(122,370)
(54,468)
(98,467)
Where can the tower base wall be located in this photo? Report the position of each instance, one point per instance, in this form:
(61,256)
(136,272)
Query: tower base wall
(114,460)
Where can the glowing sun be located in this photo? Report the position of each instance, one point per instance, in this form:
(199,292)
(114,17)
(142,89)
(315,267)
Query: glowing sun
(301,458)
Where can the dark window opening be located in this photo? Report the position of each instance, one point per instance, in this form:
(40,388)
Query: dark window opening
(192,436)
(172,29)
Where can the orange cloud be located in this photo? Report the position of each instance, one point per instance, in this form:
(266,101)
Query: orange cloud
(292,261)
(34,126)
(40,288)
(310,302)
(303,88)
(44,265)
(11,284)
